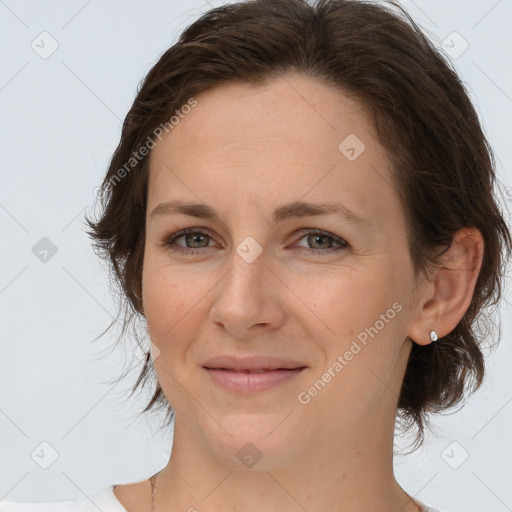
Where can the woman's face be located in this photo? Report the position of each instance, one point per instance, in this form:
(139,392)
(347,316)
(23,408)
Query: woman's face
(249,285)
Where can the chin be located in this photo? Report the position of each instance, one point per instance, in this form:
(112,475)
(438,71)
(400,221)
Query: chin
(255,444)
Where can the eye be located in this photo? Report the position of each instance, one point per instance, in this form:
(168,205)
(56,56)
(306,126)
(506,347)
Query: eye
(200,237)
(192,236)
(318,237)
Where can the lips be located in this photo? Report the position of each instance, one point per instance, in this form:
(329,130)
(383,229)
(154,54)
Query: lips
(266,370)
(254,364)
(249,375)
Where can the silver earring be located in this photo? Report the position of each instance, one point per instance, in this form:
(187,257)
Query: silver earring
(433,336)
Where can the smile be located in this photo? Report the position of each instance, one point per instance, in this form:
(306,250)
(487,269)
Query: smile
(251,381)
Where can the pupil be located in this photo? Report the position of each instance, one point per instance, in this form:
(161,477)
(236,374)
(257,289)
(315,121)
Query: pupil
(319,237)
(195,237)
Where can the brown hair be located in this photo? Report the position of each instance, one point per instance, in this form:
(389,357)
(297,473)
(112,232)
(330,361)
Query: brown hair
(442,163)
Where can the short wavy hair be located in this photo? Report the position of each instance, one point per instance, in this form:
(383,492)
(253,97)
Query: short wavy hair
(443,166)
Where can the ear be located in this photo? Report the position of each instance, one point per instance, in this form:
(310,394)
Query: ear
(444,301)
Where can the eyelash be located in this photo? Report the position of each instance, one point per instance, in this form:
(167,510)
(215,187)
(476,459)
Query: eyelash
(203,231)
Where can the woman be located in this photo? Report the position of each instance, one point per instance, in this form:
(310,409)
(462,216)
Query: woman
(301,208)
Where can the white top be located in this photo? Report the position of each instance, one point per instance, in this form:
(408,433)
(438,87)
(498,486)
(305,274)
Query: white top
(103,499)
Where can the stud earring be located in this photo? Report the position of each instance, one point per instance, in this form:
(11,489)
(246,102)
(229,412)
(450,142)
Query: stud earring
(433,336)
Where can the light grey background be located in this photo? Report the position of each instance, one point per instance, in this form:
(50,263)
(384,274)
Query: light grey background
(61,120)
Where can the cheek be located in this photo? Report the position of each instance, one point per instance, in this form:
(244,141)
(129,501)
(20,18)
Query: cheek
(364,317)
(169,316)
(176,306)
(347,306)
(165,302)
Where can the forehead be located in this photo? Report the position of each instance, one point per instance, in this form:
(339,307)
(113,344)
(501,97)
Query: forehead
(292,137)
(291,109)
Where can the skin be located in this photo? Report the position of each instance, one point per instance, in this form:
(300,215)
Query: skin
(245,151)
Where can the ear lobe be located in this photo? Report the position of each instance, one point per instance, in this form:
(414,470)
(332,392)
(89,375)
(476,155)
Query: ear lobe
(443,302)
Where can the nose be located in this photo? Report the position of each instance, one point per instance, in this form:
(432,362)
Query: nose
(248,298)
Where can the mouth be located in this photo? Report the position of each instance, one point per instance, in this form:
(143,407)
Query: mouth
(262,370)
(251,374)
(252,381)
(254,364)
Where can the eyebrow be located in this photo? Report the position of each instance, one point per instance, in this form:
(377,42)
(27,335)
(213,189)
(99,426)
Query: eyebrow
(287,211)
